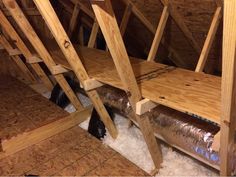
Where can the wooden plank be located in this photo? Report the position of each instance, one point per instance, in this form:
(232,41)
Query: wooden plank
(72,57)
(73,20)
(209,40)
(93,35)
(105,15)
(22,47)
(14,52)
(29,32)
(125,19)
(197,94)
(228,104)
(28,75)
(84,8)
(27,139)
(91,84)
(34,59)
(180,22)
(27,11)
(159,34)
(58,69)
(144,106)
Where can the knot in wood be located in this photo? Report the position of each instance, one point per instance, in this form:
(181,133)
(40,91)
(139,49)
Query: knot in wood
(66,44)
(128,93)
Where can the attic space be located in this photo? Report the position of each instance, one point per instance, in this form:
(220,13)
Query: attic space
(117,87)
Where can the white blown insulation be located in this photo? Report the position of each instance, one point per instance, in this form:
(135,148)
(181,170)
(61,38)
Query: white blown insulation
(130,144)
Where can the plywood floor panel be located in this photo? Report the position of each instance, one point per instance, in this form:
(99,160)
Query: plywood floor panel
(22,109)
(186,91)
(70,153)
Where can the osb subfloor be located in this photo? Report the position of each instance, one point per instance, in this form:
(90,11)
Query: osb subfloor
(72,152)
(23,110)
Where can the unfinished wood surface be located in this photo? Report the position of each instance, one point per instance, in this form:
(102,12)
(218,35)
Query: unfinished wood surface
(183,90)
(209,40)
(84,8)
(14,52)
(159,34)
(70,153)
(125,19)
(27,139)
(228,103)
(28,75)
(73,20)
(151,28)
(105,15)
(23,110)
(180,22)
(144,106)
(93,35)
(29,32)
(91,84)
(72,57)
(22,47)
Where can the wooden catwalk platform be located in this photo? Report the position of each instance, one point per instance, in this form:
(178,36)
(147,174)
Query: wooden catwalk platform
(71,153)
(27,117)
(186,91)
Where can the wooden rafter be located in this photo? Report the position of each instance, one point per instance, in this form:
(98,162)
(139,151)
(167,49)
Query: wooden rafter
(27,74)
(29,32)
(84,8)
(228,94)
(73,59)
(179,21)
(25,51)
(209,40)
(159,34)
(105,15)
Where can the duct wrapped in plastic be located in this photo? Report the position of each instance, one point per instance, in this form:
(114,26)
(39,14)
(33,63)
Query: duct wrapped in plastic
(187,133)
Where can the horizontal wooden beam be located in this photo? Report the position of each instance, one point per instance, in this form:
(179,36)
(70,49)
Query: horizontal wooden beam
(144,106)
(58,69)
(91,84)
(14,52)
(34,59)
(27,11)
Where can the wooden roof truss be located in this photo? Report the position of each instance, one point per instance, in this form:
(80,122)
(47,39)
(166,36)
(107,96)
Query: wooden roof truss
(222,107)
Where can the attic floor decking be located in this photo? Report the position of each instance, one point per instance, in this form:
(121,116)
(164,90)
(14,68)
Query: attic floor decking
(71,153)
(183,90)
(22,110)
